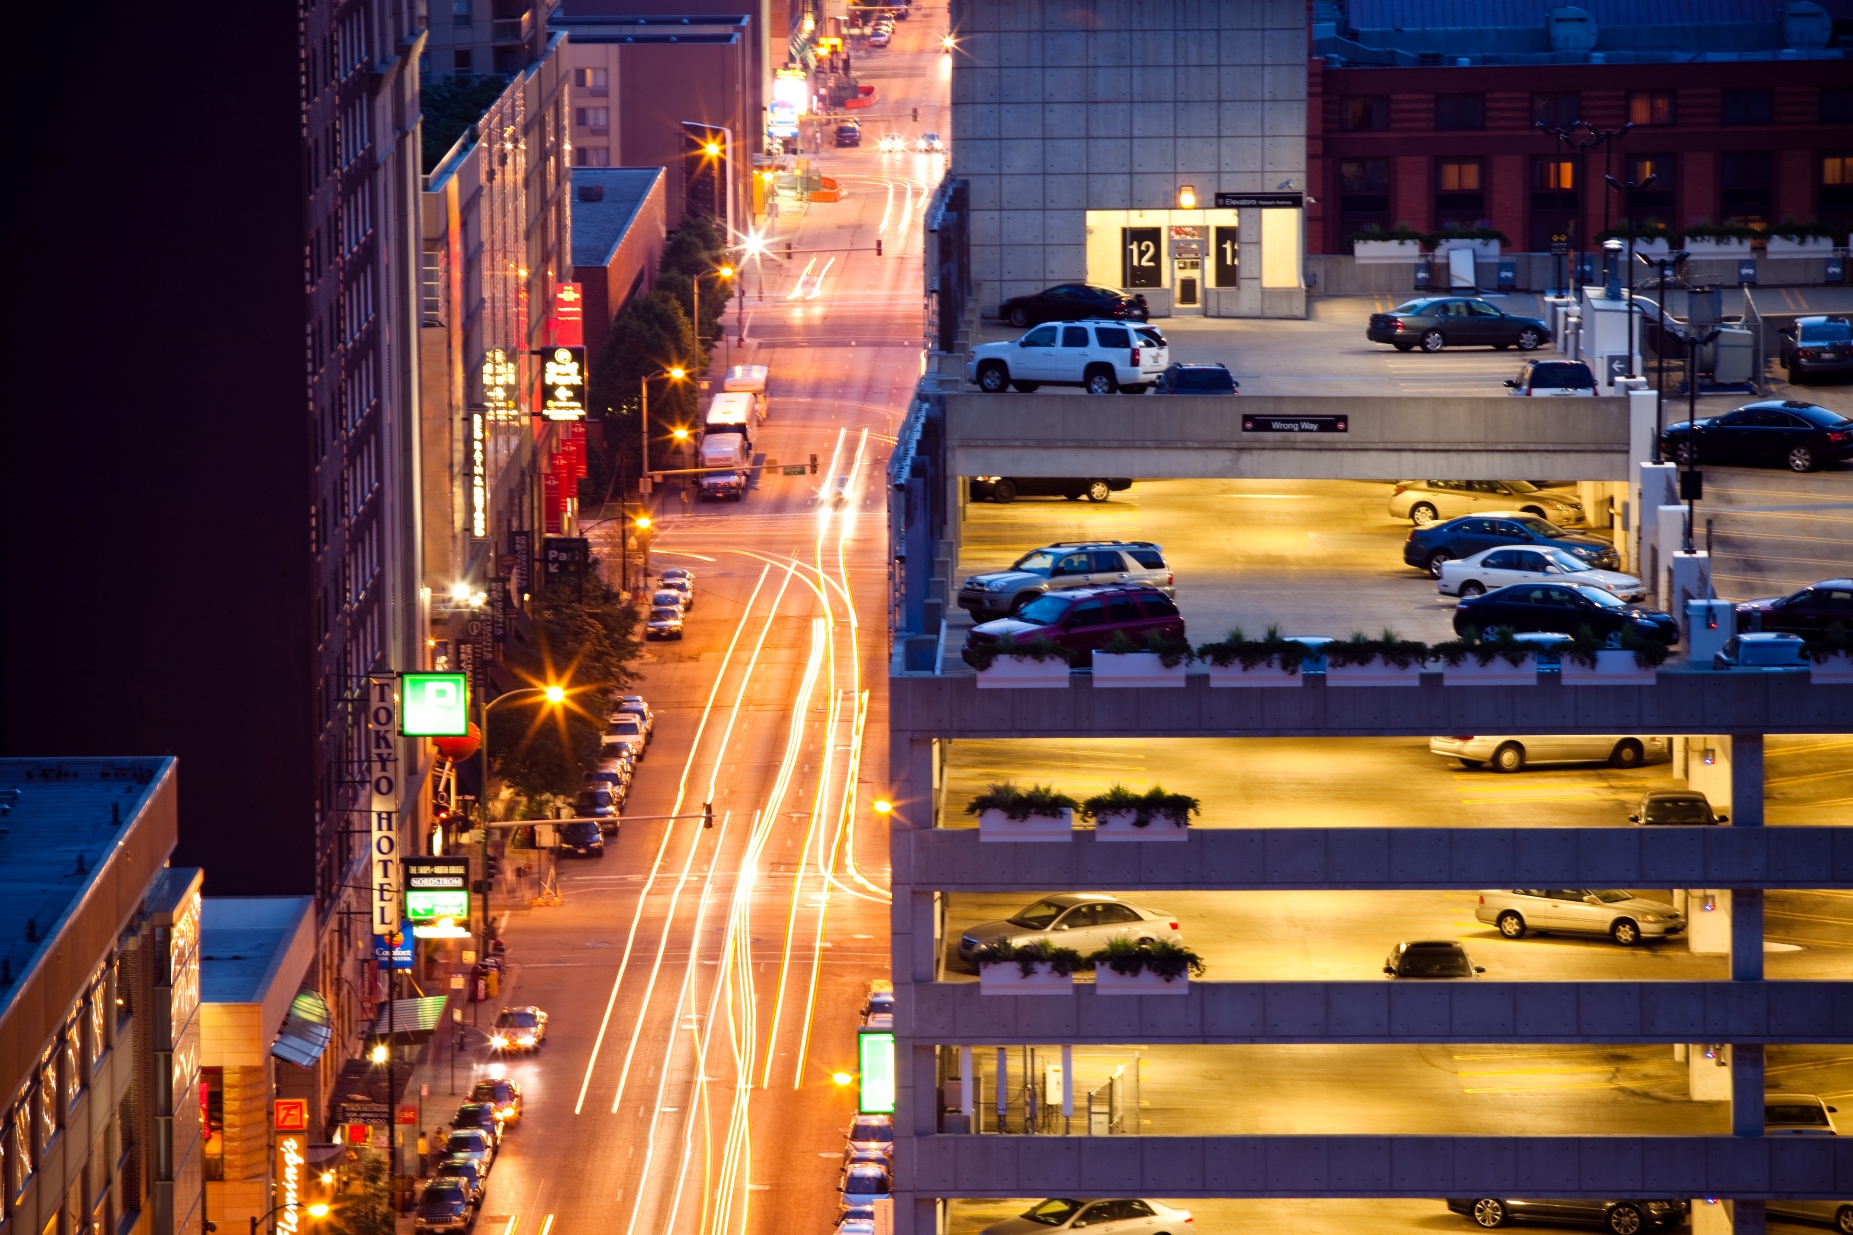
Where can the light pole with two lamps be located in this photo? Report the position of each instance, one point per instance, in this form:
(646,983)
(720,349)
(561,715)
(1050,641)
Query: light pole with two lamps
(555,695)
(724,271)
(674,373)
(1665,263)
(1628,190)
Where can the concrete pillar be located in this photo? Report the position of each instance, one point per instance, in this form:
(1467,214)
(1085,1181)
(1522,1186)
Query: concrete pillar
(967,1084)
(1747,1089)
(1714,1217)
(1746,780)
(1708,1072)
(1708,921)
(1746,923)
(1655,485)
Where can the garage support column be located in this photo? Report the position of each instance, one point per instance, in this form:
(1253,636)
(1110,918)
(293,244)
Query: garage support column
(1746,1089)
(1715,1217)
(1746,780)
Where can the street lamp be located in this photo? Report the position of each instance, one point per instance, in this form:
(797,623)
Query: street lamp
(1628,191)
(1664,263)
(674,373)
(1597,137)
(724,271)
(317,1210)
(554,695)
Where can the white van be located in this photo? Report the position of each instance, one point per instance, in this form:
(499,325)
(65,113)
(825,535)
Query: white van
(731,412)
(748,379)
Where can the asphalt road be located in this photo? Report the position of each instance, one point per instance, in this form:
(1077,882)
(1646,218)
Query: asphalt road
(704,985)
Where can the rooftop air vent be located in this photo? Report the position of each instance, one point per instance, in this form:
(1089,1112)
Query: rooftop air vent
(1571,29)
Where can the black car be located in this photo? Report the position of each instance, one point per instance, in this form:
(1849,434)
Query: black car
(1196,379)
(1430,958)
(849,133)
(1428,547)
(1807,612)
(583,839)
(1562,609)
(466,1171)
(478,1115)
(1676,806)
(1620,1217)
(1072,302)
(1813,345)
(443,1206)
(1797,435)
(1074,488)
(600,803)
(1435,322)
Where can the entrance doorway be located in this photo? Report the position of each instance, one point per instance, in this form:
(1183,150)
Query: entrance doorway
(1187,285)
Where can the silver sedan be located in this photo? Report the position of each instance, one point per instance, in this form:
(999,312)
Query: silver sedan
(1493,568)
(1615,912)
(1129,1216)
(1083,921)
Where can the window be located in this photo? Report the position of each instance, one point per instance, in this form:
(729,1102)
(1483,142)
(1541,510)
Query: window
(1745,179)
(1460,111)
(1364,113)
(1458,175)
(1836,105)
(591,156)
(1363,192)
(460,12)
(1553,174)
(1088,613)
(460,60)
(1459,198)
(1654,203)
(595,83)
(1748,106)
(1836,189)
(597,119)
(1074,336)
(1107,561)
(1556,111)
(1650,107)
(1553,203)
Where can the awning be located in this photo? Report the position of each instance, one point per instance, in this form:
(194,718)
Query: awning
(306,1032)
(409,1020)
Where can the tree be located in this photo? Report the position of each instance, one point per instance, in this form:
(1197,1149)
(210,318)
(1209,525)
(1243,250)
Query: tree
(694,250)
(365,1207)
(449,106)
(651,334)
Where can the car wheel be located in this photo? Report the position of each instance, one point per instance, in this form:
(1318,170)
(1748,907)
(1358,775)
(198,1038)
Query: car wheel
(1627,933)
(1489,1213)
(1100,382)
(1472,763)
(1626,1219)
(1026,388)
(1432,341)
(1003,490)
(1529,340)
(1535,511)
(1686,454)
(993,377)
(1019,317)
(1471,589)
(1403,347)
(1511,925)
(1422,514)
(1843,1220)
(1510,757)
(1098,490)
(1801,459)
(1436,559)
(1627,754)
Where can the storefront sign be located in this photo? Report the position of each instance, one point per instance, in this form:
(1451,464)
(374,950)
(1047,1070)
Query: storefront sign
(1295,424)
(568,315)
(436,705)
(392,951)
(521,548)
(479,473)
(563,560)
(290,1167)
(562,383)
(290,1114)
(500,384)
(876,1057)
(437,898)
(1259,201)
(383,778)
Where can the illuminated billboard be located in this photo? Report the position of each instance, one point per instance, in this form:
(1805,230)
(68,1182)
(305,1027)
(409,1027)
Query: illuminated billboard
(877,1067)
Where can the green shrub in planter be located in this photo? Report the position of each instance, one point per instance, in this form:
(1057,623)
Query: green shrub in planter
(1377,231)
(1830,642)
(1501,644)
(1167,958)
(1390,646)
(1171,652)
(1585,643)
(1145,807)
(1027,956)
(1270,649)
(1435,240)
(1719,231)
(1019,804)
(982,656)
(1813,229)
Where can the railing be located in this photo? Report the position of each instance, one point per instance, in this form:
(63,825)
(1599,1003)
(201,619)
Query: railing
(1031,1103)
(511,29)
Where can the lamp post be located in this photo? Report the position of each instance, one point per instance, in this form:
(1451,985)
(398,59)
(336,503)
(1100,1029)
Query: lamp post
(1664,263)
(1582,146)
(317,1210)
(554,696)
(725,271)
(674,373)
(1628,190)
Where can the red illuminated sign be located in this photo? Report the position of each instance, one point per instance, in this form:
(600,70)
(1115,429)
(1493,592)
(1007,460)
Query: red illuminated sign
(290,1114)
(568,315)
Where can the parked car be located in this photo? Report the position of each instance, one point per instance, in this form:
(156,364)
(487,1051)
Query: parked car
(626,731)
(1424,501)
(1064,566)
(879,38)
(1197,379)
(1807,612)
(1512,754)
(1798,1114)
(1789,433)
(466,1171)
(473,1143)
(1491,568)
(1430,958)
(1126,1216)
(1102,358)
(1817,344)
(478,1115)
(861,1185)
(1072,302)
(1560,608)
(1427,548)
(1677,806)
(849,133)
(443,1206)
(1761,651)
(1087,618)
(503,1094)
(635,705)
(668,597)
(683,572)
(1615,912)
(1083,921)
(664,622)
(929,143)
(519,1029)
(1437,322)
(1835,1214)
(585,840)
(682,585)
(878,1008)
(1553,379)
(1619,1217)
(1003,489)
(871,1139)
(616,767)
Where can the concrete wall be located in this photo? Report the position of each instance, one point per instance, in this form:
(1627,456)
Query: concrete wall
(1189,436)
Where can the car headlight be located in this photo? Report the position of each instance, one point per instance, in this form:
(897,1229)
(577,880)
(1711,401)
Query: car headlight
(995,585)
(498,1040)
(1650,917)
(527,1040)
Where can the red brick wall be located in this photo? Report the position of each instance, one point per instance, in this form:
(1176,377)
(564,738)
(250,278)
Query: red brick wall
(1411,176)
(1796,173)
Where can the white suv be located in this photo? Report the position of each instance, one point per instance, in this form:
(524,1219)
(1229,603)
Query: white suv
(1102,357)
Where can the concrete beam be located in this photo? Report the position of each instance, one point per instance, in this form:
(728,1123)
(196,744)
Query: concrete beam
(1814,1013)
(1680,701)
(1202,436)
(1250,859)
(1186,1167)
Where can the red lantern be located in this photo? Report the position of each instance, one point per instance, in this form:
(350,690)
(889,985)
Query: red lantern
(461,747)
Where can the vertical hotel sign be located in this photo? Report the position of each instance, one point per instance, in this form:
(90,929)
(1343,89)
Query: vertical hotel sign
(383,786)
(500,383)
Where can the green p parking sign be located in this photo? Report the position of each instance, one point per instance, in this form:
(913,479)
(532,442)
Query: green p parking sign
(436,705)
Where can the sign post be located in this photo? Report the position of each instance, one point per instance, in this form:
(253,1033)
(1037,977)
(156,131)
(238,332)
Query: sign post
(563,383)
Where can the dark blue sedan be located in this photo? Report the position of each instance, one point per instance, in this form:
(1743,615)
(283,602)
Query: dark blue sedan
(1561,609)
(1788,433)
(1428,547)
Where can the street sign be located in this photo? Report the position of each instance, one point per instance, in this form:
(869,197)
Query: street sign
(563,560)
(1261,201)
(1296,424)
(436,705)
(876,1051)
(437,897)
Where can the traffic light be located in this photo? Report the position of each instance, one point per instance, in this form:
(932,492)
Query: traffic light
(878,246)
(813,465)
(916,114)
(707,814)
(491,863)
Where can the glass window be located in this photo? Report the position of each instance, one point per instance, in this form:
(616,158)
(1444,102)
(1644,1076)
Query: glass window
(1825,332)
(1150,559)
(591,156)
(1460,111)
(1364,175)
(1749,106)
(1158,606)
(1553,174)
(1045,611)
(1280,248)
(1481,309)
(1052,1212)
(1364,113)
(1557,110)
(1650,107)
(1112,915)
(1073,564)
(1745,170)
(1505,559)
(1037,916)
(1837,105)
(460,60)
(1106,561)
(1080,918)
(1074,336)
(1458,175)
(1113,336)
(1041,336)
(1088,613)
(1040,561)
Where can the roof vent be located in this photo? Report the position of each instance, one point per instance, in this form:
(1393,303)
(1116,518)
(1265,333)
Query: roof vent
(1805,24)
(591,192)
(1571,29)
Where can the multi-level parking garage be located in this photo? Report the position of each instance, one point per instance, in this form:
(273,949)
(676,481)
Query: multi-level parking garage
(1294,1087)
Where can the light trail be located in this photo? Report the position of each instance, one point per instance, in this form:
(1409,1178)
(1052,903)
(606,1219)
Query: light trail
(887,206)
(798,287)
(817,287)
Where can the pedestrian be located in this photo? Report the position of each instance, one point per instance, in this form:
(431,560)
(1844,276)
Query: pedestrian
(424,1153)
(846,64)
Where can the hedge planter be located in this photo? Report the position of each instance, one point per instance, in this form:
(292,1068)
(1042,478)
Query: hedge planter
(1376,673)
(1008,979)
(1379,252)
(1119,826)
(1145,982)
(1022,673)
(1497,672)
(1614,667)
(1812,246)
(1730,246)
(995,825)
(1115,669)
(1260,675)
(1481,248)
(1837,668)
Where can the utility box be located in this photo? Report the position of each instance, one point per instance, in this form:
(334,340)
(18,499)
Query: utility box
(1709,623)
(1733,357)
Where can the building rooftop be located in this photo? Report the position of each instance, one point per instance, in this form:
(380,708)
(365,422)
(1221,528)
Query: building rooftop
(599,225)
(244,941)
(589,26)
(60,822)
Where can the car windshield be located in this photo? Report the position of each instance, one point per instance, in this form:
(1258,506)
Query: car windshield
(1041,561)
(1604,597)
(1796,1113)
(1053,1212)
(1562,375)
(1044,612)
(1820,417)
(579,833)
(1543,528)
(626,725)
(1410,306)
(665,615)
(666,597)
(469,1142)
(1827,332)
(440,1201)
(472,1115)
(458,1168)
(1565,561)
(865,1183)
(488,1091)
(1677,810)
(871,1130)
(599,797)
(1434,963)
(1611,896)
(517,1020)
(1038,915)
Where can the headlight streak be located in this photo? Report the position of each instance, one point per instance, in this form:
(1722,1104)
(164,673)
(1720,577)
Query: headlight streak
(887,206)
(798,287)
(817,288)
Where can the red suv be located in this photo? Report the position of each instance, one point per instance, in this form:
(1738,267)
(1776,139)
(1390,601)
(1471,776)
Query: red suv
(1086,618)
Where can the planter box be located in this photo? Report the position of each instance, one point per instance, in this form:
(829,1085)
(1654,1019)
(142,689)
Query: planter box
(1497,672)
(1614,667)
(1136,669)
(1119,827)
(1378,252)
(1376,673)
(1260,675)
(1736,246)
(1813,246)
(994,825)
(1007,979)
(1837,668)
(1022,673)
(1481,248)
(1106,982)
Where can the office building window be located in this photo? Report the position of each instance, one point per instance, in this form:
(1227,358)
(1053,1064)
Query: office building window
(1455,112)
(1553,202)
(1836,189)
(460,12)
(1556,111)
(593,83)
(1749,106)
(1363,193)
(1364,113)
(1744,178)
(1459,192)
(1836,105)
(1650,107)
(591,156)
(1653,204)
(460,60)
(593,119)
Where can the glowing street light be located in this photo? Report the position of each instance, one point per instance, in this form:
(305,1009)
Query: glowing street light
(882,806)
(1187,197)
(681,435)
(555,694)
(643,523)
(841,1078)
